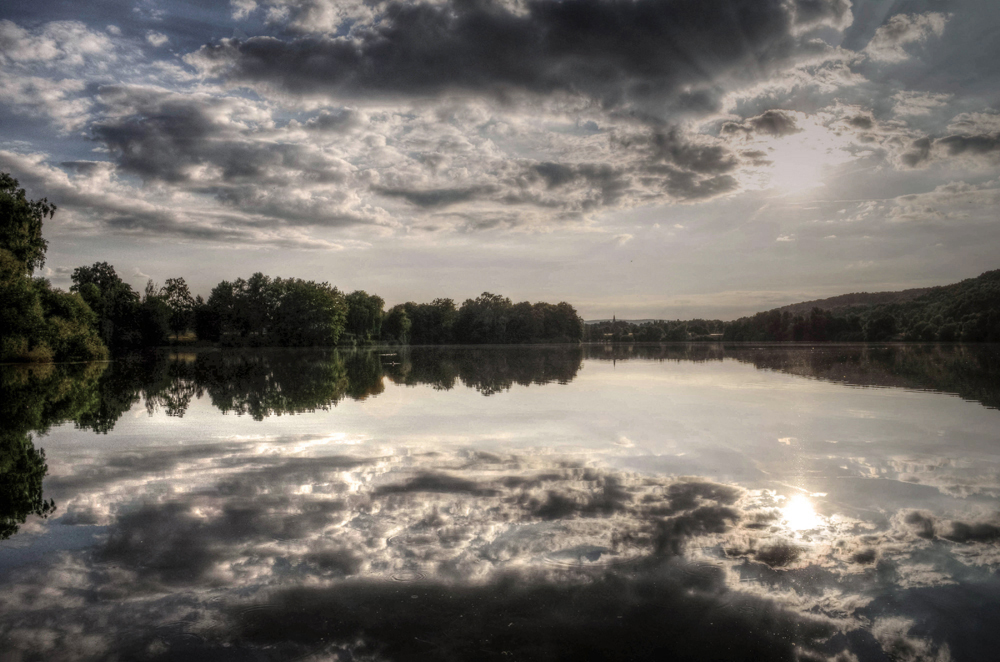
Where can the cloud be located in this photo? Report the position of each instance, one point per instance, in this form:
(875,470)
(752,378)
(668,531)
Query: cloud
(96,201)
(156,39)
(341,167)
(641,52)
(919,103)
(43,70)
(58,99)
(893,635)
(58,43)
(952,201)
(771,123)
(305,16)
(904,30)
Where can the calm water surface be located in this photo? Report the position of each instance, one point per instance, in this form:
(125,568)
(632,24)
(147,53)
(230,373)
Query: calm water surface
(699,502)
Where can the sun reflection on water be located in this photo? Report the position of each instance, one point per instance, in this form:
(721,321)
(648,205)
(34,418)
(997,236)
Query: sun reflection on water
(799,514)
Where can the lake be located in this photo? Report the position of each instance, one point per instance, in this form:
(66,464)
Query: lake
(702,502)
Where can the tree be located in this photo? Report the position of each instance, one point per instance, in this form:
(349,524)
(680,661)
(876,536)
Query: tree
(308,313)
(364,315)
(154,316)
(37,323)
(483,319)
(396,326)
(114,301)
(21,224)
(178,297)
(265,312)
(881,327)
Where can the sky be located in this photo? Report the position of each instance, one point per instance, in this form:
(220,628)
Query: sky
(642,158)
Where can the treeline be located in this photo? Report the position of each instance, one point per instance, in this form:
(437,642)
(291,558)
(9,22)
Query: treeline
(102,312)
(968,311)
(262,312)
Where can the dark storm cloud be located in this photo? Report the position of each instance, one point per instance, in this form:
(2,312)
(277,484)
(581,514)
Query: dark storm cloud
(605,184)
(671,147)
(920,151)
(605,496)
(227,148)
(435,198)
(615,52)
(971,144)
(927,526)
(864,122)
(660,612)
(984,146)
(772,123)
(435,482)
(163,136)
(778,555)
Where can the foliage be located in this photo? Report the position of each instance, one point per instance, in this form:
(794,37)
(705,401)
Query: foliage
(397,325)
(491,318)
(177,296)
(265,312)
(114,301)
(37,322)
(968,311)
(364,315)
(21,224)
(431,323)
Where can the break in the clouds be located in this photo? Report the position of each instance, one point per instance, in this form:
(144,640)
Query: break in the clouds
(322,124)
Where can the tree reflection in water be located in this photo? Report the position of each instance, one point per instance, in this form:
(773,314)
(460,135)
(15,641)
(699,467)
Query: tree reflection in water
(242,548)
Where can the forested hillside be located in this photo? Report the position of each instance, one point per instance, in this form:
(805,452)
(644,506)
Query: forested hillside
(967,311)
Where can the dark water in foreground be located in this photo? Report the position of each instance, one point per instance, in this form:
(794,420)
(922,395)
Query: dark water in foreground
(687,502)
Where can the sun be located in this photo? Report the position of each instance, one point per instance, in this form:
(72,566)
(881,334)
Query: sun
(800,161)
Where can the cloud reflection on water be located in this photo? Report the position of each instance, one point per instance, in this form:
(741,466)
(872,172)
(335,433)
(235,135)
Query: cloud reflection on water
(278,546)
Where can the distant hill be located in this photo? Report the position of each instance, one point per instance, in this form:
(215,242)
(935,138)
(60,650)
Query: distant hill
(968,311)
(857,300)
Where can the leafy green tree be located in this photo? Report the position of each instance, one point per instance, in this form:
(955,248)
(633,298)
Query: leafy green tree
(279,312)
(21,314)
(21,224)
(37,323)
(432,323)
(364,315)
(114,301)
(308,313)
(483,319)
